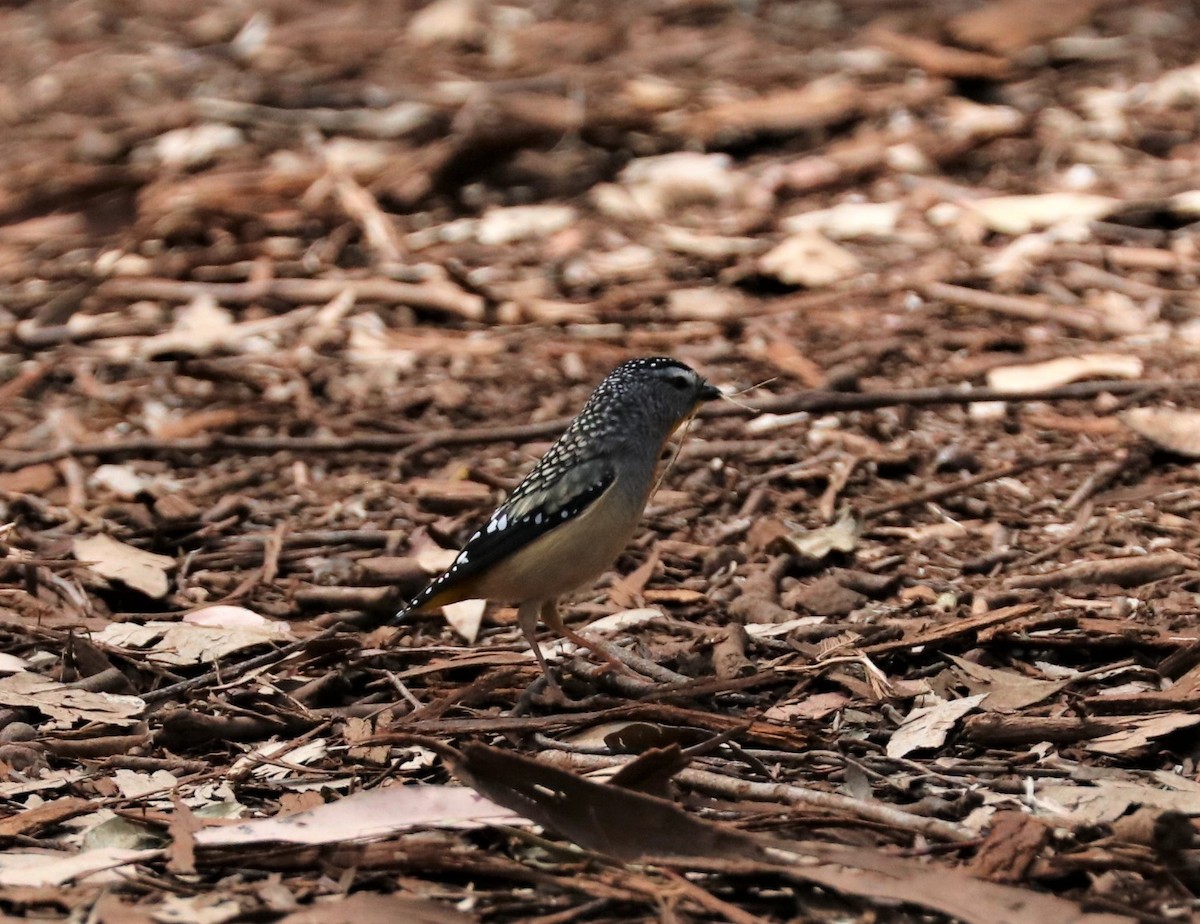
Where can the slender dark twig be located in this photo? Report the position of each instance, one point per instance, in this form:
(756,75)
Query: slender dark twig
(815,402)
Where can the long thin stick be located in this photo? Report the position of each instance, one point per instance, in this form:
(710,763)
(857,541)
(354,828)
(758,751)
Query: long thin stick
(816,402)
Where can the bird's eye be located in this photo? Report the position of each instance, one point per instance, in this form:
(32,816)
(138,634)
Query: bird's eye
(679,382)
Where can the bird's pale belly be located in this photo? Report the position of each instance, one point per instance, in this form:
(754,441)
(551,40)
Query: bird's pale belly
(570,556)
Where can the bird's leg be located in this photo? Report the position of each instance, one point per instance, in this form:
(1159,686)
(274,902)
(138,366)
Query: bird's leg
(610,653)
(527,619)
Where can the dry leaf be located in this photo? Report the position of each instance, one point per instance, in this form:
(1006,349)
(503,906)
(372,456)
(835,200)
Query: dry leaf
(1175,431)
(1064,370)
(41,870)
(227,617)
(707,304)
(655,187)
(205,908)
(450,22)
(465,618)
(1107,800)
(277,760)
(11,664)
(500,226)
(813,707)
(195,144)
(840,536)
(144,571)
(928,726)
(1141,731)
(179,643)
(810,260)
(66,704)
(120,480)
(134,785)
(847,220)
(1007,691)
(1022,214)
(372,813)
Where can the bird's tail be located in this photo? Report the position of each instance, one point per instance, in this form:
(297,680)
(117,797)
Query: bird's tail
(434,595)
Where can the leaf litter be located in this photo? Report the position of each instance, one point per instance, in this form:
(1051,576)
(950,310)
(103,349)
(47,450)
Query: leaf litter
(273,349)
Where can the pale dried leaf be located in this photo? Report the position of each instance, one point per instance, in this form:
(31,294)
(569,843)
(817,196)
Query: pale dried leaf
(708,246)
(808,259)
(178,643)
(465,617)
(1064,370)
(1007,691)
(500,226)
(812,707)
(928,726)
(11,664)
(707,304)
(847,220)
(1022,214)
(196,144)
(658,186)
(1141,730)
(1174,430)
(40,870)
(138,569)
(1107,800)
(372,813)
(448,22)
(223,615)
(287,755)
(626,619)
(134,785)
(120,480)
(200,327)
(66,704)
(774,630)
(840,536)
(208,908)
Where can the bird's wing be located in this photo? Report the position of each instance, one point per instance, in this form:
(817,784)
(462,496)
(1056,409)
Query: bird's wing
(541,503)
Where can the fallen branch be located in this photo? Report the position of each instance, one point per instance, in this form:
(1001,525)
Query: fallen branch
(1127,571)
(993,730)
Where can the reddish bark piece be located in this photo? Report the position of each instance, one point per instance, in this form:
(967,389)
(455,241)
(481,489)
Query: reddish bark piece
(1014,842)
(30,821)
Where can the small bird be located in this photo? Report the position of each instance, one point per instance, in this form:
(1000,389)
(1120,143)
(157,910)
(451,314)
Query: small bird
(571,516)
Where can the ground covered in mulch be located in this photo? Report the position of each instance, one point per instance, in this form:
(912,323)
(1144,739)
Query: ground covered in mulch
(294,292)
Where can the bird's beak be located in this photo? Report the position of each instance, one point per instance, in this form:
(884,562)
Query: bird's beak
(709,392)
